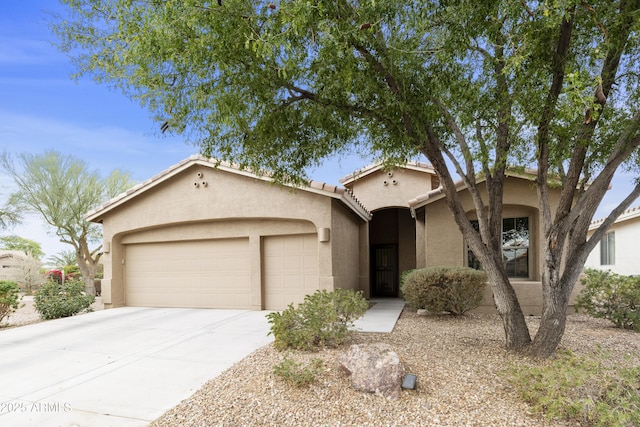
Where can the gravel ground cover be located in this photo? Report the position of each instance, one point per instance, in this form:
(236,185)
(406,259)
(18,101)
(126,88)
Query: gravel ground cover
(457,360)
(27,313)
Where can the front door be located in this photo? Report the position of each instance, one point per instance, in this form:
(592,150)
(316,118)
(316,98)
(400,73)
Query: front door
(384,270)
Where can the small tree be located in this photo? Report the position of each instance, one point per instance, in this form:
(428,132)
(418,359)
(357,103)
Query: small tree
(27,271)
(61,190)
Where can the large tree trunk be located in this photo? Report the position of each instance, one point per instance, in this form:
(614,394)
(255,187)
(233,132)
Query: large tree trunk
(516,332)
(88,270)
(555,302)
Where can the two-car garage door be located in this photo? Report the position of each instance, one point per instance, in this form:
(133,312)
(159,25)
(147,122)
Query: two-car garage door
(198,273)
(216,273)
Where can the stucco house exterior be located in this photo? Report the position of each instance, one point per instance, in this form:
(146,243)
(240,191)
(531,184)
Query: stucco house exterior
(617,251)
(207,234)
(9,264)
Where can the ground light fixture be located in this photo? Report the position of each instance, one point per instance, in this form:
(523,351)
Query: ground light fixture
(409,381)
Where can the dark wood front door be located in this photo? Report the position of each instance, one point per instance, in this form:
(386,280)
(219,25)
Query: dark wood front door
(384,270)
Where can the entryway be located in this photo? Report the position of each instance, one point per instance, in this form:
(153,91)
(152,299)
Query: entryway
(392,239)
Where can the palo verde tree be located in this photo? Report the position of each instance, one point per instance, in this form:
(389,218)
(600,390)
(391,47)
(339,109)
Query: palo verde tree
(476,86)
(60,189)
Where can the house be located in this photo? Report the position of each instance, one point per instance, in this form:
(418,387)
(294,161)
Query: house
(207,234)
(10,262)
(617,249)
(23,269)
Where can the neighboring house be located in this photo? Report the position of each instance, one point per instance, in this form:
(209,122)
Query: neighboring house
(205,235)
(16,266)
(617,251)
(9,264)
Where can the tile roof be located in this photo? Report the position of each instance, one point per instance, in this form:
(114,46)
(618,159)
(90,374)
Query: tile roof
(360,173)
(625,216)
(343,194)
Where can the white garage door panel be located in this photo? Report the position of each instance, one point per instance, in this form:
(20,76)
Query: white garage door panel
(207,274)
(290,269)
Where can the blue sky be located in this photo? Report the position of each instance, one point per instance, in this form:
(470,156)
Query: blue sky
(42,108)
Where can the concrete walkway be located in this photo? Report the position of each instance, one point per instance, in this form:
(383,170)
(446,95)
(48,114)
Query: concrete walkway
(382,317)
(127,366)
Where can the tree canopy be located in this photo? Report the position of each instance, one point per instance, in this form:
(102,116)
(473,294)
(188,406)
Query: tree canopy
(17,243)
(477,87)
(61,189)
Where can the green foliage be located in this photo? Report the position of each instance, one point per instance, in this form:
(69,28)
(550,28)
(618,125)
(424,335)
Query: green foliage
(63,259)
(322,319)
(61,189)
(55,300)
(454,290)
(581,389)
(297,374)
(611,296)
(471,85)
(9,298)
(17,243)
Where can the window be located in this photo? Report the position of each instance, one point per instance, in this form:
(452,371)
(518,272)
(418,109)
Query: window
(515,247)
(608,249)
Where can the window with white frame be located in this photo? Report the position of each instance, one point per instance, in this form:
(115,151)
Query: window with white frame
(608,249)
(515,247)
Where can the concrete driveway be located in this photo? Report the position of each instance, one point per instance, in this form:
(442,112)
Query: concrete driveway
(119,367)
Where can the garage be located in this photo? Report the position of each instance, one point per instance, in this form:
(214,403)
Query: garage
(198,274)
(208,234)
(290,269)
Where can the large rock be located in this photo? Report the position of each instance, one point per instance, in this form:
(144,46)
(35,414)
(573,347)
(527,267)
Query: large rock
(374,368)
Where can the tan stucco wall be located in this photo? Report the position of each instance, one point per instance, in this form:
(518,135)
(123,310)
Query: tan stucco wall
(374,194)
(444,245)
(230,205)
(347,246)
(406,241)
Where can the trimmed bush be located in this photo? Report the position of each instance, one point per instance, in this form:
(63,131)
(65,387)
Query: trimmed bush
(610,296)
(454,290)
(9,298)
(54,300)
(584,389)
(322,319)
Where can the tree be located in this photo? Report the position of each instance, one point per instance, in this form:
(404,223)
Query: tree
(477,87)
(27,271)
(63,259)
(8,217)
(17,243)
(61,190)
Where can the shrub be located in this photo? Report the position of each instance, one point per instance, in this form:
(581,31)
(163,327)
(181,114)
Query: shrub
(54,300)
(297,374)
(610,296)
(9,298)
(322,319)
(455,290)
(582,389)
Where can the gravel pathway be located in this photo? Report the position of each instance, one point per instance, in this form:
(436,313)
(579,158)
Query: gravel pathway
(457,361)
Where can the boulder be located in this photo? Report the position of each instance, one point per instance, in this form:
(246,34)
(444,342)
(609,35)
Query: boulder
(374,368)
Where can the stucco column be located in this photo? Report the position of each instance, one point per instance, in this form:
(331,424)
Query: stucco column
(421,249)
(364,280)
